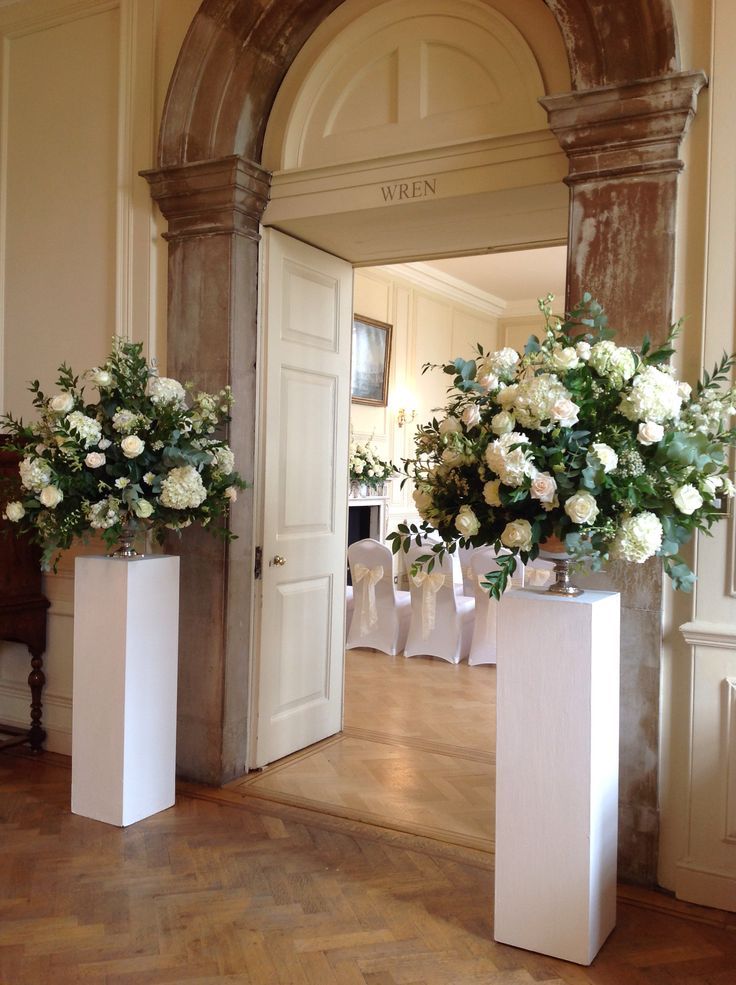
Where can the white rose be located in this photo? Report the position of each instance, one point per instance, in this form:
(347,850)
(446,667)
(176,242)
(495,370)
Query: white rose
(603,454)
(582,507)
(565,358)
(422,501)
(565,411)
(14,511)
(687,499)
(583,350)
(132,446)
(51,496)
(466,522)
(490,492)
(450,425)
(94,460)
(231,493)
(544,487)
(62,403)
(650,433)
(728,487)
(142,508)
(452,459)
(471,416)
(711,484)
(503,423)
(101,378)
(487,380)
(518,533)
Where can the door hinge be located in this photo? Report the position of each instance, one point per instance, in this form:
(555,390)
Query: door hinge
(258,568)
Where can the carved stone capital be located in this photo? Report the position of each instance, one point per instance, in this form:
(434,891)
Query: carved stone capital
(211,197)
(618,130)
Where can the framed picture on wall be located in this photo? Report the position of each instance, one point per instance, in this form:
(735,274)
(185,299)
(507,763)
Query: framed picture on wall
(371,357)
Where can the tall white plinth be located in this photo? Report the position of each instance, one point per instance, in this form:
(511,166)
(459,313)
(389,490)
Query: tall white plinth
(126,634)
(557,772)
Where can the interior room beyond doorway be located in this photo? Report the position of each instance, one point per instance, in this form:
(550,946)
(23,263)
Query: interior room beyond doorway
(417,748)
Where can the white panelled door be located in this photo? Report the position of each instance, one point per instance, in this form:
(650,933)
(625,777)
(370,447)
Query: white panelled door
(305,422)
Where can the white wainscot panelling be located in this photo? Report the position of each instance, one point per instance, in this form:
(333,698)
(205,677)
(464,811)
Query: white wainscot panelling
(707,872)
(304,653)
(301,446)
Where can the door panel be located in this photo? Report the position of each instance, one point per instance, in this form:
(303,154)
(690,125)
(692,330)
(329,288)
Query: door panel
(305,419)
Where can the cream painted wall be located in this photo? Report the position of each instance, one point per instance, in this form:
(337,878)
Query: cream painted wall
(83,84)
(698,735)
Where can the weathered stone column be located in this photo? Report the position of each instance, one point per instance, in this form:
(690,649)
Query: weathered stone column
(213,209)
(623,145)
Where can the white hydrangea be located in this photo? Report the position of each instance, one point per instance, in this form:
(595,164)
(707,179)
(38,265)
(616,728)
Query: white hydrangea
(614,362)
(35,473)
(654,396)
(533,401)
(511,465)
(223,460)
(501,364)
(163,390)
(104,514)
(637,539)
(125,421)
(183,489)
(88,429)
(422,502)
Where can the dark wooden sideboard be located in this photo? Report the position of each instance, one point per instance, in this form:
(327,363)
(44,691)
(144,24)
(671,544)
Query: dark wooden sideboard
(22,606)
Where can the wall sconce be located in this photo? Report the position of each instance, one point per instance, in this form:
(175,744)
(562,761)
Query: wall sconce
(404,416)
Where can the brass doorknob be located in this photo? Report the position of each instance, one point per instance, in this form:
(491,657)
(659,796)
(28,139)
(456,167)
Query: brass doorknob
(278,560)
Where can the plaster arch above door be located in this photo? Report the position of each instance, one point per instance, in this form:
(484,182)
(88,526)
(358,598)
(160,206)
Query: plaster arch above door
(413,128)
(401,76)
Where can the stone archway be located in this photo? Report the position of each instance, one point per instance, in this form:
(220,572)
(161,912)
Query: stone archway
(620,126)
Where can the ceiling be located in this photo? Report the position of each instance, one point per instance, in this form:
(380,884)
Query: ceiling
(519,275)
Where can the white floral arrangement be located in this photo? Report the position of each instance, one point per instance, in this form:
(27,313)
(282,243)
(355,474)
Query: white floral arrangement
(366,465)
(576,439)
(145,456)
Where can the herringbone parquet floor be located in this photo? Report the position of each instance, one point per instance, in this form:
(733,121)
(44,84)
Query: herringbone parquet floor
(259,893)
(417,752)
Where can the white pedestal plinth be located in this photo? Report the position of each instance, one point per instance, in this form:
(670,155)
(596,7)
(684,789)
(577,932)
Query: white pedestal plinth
(557,772)
(126,637)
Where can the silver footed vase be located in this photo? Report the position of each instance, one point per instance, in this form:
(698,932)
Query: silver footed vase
(554,550)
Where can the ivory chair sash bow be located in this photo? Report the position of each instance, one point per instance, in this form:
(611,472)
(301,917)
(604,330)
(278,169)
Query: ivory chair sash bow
(371,577)
(430,584)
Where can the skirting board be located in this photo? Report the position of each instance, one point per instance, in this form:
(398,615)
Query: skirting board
(706,887)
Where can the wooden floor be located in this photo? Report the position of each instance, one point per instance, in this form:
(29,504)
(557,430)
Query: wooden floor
(263,893)
(416,753)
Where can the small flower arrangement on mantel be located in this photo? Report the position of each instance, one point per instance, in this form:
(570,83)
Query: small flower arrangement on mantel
(367,469)
(578,445)
(144,457)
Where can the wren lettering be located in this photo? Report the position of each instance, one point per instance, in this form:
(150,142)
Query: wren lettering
(404,190)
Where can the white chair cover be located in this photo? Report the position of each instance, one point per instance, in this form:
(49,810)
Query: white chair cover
(483,644)
(464,555)
(380,618)
(441,621)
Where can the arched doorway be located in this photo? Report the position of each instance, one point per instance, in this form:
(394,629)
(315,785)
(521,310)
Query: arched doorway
(620,128)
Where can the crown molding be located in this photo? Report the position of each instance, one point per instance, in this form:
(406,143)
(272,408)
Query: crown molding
(424,276)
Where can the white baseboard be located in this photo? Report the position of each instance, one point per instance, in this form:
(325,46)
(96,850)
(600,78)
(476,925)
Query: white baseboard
(698,884)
